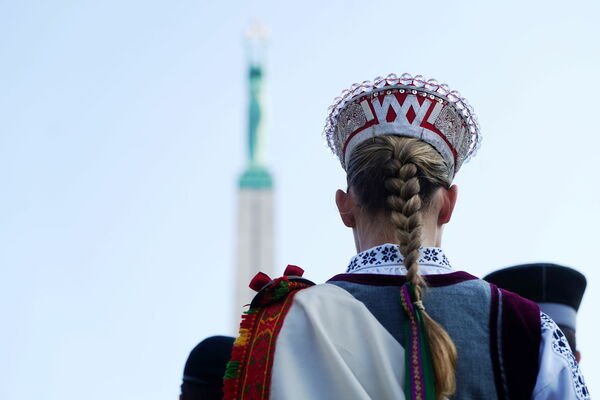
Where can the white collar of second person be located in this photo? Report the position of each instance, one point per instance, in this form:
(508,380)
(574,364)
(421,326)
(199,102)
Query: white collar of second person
(387,259)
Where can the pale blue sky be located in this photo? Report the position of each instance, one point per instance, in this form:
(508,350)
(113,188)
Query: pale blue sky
(121,138)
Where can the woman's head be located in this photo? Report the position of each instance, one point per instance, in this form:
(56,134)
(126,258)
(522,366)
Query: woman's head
(375,170)
(373,162)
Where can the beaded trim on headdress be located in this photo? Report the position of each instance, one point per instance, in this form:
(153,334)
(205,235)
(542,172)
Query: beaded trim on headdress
(404,106)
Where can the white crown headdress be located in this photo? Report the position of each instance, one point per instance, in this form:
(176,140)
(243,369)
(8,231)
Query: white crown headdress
(404,106)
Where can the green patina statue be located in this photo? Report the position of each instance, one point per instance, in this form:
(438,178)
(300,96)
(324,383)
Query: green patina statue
(256,176)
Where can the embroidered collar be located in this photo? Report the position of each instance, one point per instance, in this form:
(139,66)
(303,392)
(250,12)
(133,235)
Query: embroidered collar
(386,259)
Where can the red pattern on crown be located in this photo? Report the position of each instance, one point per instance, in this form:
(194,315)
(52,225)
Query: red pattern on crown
(404,106)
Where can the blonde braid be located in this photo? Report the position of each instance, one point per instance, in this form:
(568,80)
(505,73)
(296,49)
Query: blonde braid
(404,165)
(404,202)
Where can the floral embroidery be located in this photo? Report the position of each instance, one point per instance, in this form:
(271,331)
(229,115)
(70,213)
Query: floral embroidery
(387,259)
(388,254)
(353,264)
(445,260)
(561,347)
(430,254)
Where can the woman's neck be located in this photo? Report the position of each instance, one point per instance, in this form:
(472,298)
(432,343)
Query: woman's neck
(371,233)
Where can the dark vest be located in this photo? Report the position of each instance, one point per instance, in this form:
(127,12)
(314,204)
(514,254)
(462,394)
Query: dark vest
(496,332)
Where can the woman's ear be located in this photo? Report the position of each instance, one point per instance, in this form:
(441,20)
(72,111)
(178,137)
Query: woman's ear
(345,205)
(448,202)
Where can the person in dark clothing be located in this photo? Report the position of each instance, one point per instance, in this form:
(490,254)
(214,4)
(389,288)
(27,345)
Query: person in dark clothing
(204,369)
(557,289)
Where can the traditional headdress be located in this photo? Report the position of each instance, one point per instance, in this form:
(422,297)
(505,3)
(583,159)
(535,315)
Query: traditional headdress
(404,106)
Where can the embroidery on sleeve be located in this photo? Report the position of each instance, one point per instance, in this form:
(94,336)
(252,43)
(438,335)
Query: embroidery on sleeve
(561,347)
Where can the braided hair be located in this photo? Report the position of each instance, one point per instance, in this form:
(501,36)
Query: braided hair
(398,175)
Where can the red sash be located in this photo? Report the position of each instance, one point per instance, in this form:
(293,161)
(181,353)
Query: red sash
(248,374)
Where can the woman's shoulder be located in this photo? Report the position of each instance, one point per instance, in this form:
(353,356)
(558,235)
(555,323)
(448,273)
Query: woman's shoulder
(327,298)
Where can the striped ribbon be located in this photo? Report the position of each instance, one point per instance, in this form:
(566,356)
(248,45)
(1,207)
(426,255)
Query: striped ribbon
(420,379)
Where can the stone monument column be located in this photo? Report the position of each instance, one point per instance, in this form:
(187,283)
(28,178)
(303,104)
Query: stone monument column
(255,202)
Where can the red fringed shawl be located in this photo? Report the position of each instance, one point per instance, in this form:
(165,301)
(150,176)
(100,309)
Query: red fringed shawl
(248,374)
